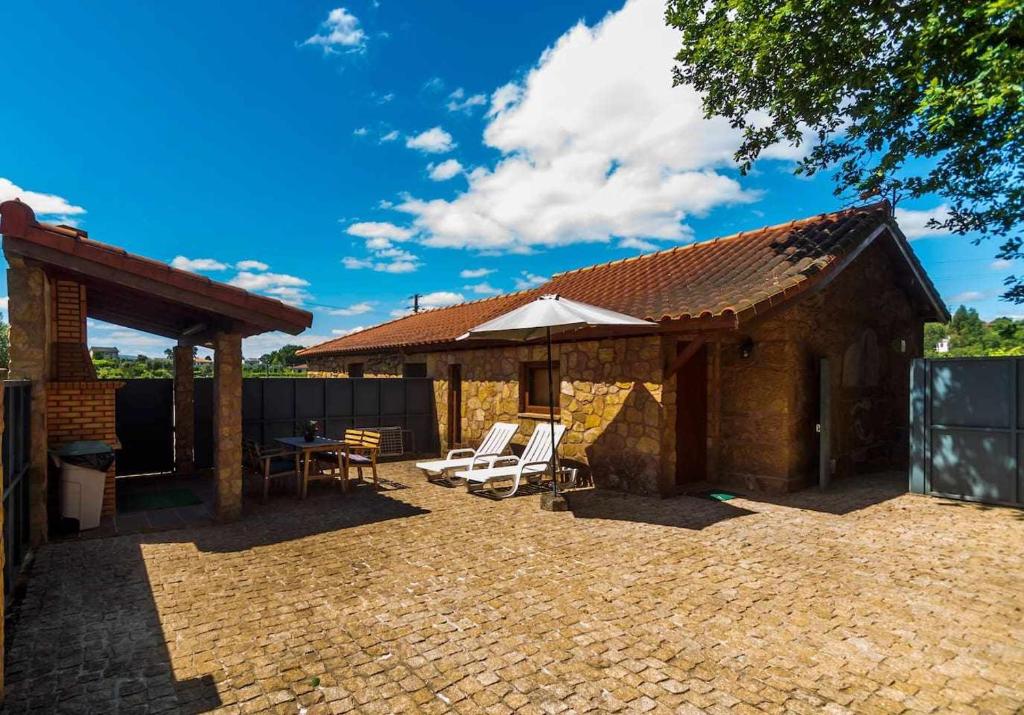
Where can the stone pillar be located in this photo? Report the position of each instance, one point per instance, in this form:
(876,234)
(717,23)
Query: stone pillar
(29,309)
(184,410)
(227,424)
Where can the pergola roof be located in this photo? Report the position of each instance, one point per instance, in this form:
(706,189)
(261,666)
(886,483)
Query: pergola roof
(141,293)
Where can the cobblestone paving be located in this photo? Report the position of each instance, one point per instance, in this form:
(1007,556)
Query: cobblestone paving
(427,599)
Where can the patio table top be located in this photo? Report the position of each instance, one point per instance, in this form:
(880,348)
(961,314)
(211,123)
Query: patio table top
(317,444)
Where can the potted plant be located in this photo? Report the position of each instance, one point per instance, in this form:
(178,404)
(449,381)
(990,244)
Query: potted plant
(309,433)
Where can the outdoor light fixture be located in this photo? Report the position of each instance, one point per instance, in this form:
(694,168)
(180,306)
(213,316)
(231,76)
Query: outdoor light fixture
(746,348)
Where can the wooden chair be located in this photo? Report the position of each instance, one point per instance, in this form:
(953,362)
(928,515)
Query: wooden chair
(362,447)
(270,463)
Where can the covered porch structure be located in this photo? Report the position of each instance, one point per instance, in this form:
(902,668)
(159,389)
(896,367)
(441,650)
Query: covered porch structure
(57,278)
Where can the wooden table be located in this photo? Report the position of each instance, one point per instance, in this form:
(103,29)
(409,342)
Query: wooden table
(306,450)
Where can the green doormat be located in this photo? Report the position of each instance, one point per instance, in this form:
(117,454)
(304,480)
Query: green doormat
(715,495)
(163,499)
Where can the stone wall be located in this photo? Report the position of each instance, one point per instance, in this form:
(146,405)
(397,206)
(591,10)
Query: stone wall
(865,325)
(379,365)
(611,398)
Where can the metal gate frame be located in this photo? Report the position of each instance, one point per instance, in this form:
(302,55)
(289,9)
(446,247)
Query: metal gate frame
(924,430)
(16,502)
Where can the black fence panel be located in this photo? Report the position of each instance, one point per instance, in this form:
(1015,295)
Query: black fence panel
(967,429)
(280,407)
(144,415)
(16,441)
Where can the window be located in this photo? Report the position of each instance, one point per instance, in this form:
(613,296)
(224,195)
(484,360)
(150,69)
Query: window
(355,369)
(534,395)
(414,369)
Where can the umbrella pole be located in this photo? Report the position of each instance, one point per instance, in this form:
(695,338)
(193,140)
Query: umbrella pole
(551,411)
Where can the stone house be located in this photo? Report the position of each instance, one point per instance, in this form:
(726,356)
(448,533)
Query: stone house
(780,357)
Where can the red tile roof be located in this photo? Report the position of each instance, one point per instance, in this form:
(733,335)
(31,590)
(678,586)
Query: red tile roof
(439,325)
(117,270)
(727,278)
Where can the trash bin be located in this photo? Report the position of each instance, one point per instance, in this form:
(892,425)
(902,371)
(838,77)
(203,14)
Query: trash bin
(83,475)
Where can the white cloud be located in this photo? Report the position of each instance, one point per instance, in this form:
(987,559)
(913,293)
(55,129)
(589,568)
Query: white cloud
(251,265)
(914,223)
(341,332)
(445,170)
(262,344)
(593,148)
(458,101)
(197,264)
(1001,264)
(354,309)
(390,136)
(360,132)
(504,97)
(290,289)
(638,244)
(440,299)
(484,288)
(432,141)
(527,280)
(340,30)
(434,84)
(402,262)
(354,264)
(42,204)
(968,296)
(379,229)
(5,303)
(430,301)
(475,272)
(385,257)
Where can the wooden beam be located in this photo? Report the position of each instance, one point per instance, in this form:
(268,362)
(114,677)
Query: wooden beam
(691,349)
(115,279)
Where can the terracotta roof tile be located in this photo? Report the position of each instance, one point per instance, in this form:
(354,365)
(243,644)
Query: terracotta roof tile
(717,278)
(439,325)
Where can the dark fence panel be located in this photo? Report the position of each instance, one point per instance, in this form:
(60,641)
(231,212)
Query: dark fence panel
(967,429)
(280,407)
(144,411)
(16,438)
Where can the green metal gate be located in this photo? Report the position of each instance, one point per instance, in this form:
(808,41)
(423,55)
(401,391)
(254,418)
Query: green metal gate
(967,429)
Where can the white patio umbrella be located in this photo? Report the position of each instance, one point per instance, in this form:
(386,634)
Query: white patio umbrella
(542,318)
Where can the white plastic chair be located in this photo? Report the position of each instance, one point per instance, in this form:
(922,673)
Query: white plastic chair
(494,444)
(535,460)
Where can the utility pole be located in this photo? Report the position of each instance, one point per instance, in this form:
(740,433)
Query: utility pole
(416,302)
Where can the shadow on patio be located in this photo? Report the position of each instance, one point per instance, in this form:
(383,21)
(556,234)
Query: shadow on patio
(841,497)
(680,512)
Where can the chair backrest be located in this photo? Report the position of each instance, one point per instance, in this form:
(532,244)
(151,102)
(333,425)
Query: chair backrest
(497,438)
(362,438)
(538,449)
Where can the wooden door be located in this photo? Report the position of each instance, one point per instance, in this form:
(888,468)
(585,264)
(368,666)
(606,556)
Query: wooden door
(454,406)
(692,418)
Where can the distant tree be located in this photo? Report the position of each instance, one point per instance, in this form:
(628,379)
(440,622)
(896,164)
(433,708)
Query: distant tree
(5,343)
(970,336)
(906,98)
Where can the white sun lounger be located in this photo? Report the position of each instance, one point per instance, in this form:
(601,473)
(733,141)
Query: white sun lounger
(534,460)
(494,444)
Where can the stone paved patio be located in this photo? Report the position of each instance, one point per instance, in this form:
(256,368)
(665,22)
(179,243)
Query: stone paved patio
(428,599)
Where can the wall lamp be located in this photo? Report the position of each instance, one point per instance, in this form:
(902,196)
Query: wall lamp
(746,348)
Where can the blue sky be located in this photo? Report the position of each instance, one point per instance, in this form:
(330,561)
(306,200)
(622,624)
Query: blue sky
(346,157)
